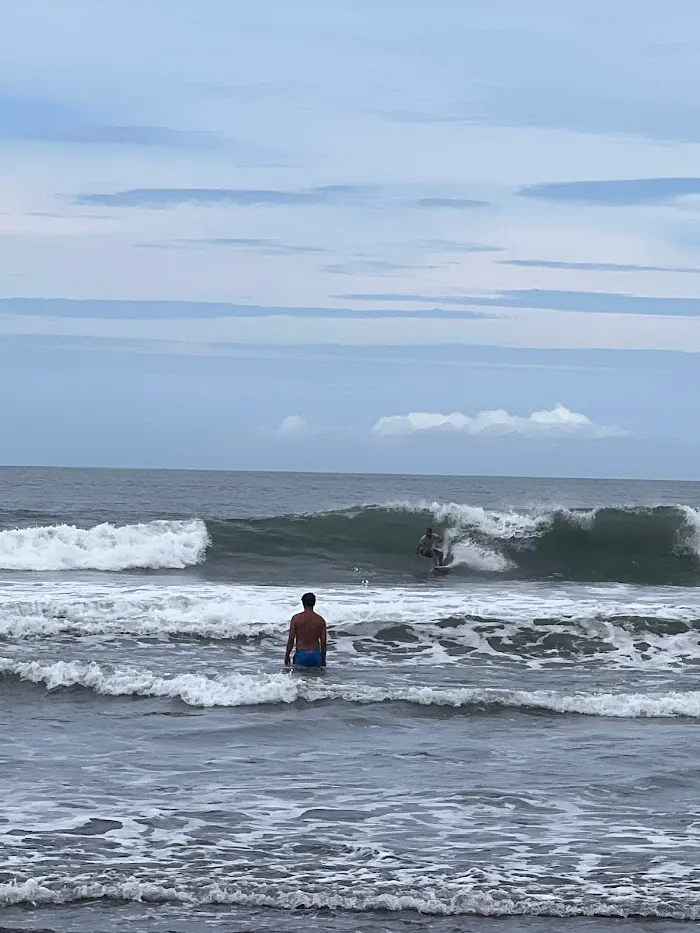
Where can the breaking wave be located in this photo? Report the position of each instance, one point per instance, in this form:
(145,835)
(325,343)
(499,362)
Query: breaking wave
(258,689)
(652,545)
(476,893)
(158,545)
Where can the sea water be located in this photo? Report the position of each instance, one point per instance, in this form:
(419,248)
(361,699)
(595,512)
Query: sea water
(514,746)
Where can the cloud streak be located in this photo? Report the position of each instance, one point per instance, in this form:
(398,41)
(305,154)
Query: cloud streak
(623,192)
(250,245)
(72,309)
(456,246)
(227,197)
(558,422)
(49,121)
(344,195)
(457,204)
(594,266)
(550,300)
(371,267)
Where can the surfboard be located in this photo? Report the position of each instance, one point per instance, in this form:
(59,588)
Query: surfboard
(441,571)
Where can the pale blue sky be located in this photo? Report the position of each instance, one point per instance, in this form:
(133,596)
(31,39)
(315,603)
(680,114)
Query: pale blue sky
(215,216)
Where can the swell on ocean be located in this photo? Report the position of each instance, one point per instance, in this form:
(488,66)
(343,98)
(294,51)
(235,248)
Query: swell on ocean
(657,545)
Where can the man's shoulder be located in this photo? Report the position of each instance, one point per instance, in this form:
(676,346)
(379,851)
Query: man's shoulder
(319,618)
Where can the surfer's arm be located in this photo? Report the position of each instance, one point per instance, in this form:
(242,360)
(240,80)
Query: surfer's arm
(290,641)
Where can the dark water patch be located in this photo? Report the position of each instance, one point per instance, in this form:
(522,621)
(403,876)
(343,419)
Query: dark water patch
(95,827)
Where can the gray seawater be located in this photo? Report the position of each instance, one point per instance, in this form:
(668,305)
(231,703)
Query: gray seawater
(514,747)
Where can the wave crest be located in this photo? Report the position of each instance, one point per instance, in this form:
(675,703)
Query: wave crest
(158,545)
(259,689)
(472,894)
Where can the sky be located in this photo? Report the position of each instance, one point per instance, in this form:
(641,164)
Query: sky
(391,236)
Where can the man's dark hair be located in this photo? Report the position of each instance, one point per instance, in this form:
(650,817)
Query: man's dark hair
(308,600)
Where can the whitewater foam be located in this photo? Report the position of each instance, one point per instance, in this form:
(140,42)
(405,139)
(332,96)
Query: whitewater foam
(475,556)
(495,524)
(692,520)
(619,626)
(478,896)
(156,545)
(258,689)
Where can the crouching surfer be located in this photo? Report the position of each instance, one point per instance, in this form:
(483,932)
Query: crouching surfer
(307,634)
(430,545)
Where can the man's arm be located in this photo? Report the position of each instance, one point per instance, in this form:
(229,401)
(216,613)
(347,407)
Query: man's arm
(323,642)
(290,642)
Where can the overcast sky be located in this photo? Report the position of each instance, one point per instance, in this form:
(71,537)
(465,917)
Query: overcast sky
(384,236)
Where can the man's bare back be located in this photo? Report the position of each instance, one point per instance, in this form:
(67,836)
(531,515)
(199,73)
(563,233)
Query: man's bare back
(307,634)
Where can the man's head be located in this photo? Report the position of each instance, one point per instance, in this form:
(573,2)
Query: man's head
(429,532)
(308,600)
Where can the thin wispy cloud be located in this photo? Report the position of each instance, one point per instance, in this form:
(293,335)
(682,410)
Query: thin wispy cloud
(408,297)
(162,310)
(49,121)
(457,246)
(542,105)
(594,266)
(243,244)
(623,192)
(578,108)
(456,204)
(213,197)
(248,197)
(378,267)
(549,300)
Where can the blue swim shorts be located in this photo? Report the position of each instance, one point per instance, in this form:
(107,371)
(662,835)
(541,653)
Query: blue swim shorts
(307,658)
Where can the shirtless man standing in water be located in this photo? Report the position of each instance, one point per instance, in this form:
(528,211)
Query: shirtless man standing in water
(308,630)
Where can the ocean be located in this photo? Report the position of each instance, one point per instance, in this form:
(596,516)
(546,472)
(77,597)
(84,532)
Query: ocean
(513,747)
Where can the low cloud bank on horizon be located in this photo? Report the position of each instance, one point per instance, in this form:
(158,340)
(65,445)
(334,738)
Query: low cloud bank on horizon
(553,423)
(558,422)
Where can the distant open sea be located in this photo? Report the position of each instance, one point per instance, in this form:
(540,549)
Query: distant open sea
(512,747)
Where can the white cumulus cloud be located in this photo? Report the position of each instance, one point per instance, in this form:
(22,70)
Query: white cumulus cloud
(292,426)
(559,422)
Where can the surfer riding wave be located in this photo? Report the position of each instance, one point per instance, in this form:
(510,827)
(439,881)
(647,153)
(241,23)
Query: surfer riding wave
(430,546)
